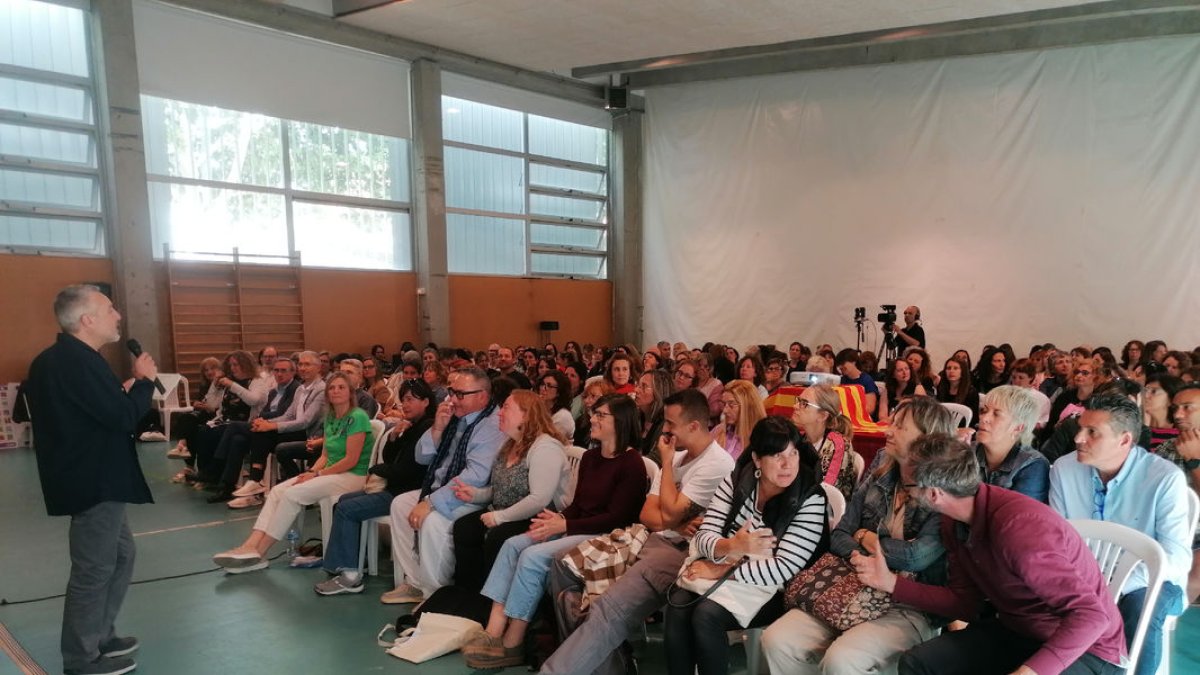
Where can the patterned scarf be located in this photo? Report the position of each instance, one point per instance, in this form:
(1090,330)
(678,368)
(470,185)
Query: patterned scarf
(459,460)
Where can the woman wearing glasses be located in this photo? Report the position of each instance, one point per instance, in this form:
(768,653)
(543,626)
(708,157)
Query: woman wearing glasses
(684,376)
(881,512)
(555,390)
(609,493)
(818,415)
(774,374)
(742,408)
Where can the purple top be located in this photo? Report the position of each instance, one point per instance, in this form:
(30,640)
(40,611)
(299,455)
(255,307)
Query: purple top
(1036,570)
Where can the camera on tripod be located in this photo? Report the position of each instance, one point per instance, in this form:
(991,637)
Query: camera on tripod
(887,317)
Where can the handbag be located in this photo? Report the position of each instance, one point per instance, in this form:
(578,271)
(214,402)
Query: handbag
(830,590)
(741,599)
(434,636)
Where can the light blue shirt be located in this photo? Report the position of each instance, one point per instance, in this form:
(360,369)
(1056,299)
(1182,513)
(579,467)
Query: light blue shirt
(1148,494)
(482,448)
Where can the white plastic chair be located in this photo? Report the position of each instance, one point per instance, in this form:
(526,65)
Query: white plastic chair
(1164,666)
(574,456)
(961,413)
(651,472)
(326,504)
(368,534)
(1119,550)
(834,510)
(168,401)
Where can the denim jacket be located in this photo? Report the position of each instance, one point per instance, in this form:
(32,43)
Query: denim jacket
(1024,470)
(917,549)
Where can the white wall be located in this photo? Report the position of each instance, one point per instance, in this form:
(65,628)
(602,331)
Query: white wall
(1015,198)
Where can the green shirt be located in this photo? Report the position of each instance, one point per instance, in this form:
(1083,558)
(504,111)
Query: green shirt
(338,429)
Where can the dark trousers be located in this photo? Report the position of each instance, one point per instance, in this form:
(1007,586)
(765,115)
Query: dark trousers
(986,647)
(184,424)
(1170,601)
(202,443)
(231,451)
(476,547)
(262,443)
(294,457)
(102,554)
(695,635)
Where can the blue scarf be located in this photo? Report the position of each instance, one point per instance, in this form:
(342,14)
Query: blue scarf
(459,460)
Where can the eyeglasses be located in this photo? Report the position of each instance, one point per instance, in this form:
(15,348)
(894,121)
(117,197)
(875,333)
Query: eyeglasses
(284,369)
(600,415)
(460,395)
(730,404)
(1082,371)
(680,375)
(548,385)
(804,403)
(774,369)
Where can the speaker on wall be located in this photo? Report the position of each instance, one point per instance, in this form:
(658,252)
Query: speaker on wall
(548,325)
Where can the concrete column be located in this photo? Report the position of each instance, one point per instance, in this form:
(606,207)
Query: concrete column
(625,243)
(429,203)
(127,203)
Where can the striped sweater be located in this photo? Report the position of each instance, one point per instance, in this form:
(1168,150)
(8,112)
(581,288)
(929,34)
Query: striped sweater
(794,550)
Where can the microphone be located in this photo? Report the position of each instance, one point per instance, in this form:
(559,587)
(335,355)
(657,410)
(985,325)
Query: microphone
(135,348)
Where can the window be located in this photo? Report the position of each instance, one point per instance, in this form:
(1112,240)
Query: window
(525,195)
(51,191)
(223,179)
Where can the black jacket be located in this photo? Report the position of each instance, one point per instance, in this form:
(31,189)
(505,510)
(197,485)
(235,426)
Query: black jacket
(83,426)
(289,393)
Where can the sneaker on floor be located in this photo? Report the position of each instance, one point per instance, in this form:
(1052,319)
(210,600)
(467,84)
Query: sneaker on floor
(481,644)
(114,665)
(491,660)
(338,585)
(119,646)
(249,489)
(402,595)
(180,451)
(260,565)
(235,558)
(245,502)
(152,437)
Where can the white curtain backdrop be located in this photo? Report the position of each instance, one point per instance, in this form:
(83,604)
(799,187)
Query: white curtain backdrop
(1022,198)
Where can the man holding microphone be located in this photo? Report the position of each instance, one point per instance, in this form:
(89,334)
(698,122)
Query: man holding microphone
(83,422)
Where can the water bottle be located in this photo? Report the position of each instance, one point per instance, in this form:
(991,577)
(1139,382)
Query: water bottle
(293,540)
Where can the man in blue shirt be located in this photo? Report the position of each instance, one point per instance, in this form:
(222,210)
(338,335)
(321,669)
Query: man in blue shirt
(847,365)
(460,447)
(1109,477)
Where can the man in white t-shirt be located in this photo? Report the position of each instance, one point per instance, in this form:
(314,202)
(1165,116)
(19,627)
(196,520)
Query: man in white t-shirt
(693,468)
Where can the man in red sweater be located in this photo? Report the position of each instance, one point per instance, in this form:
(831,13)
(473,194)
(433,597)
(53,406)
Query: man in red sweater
(1052,609)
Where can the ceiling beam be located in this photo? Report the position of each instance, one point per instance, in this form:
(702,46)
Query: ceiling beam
(1042,29)
(317,27)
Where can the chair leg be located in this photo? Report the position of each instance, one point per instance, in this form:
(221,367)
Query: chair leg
(166,415)
(373,548)
(363,529)
(1164,665)
(751,638)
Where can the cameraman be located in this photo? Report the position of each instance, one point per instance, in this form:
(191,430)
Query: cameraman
(912,334)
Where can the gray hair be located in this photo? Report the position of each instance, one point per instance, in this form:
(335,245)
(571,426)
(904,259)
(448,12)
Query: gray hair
(308,354)
(941,461)
(1123,415)
(71,304)
(927,413)
(1020,403)
(481,378)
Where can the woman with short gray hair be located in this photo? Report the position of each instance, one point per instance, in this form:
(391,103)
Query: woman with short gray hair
(1006,459)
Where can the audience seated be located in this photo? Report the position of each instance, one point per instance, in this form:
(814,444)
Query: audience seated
(684,376)
(775,375)
(434,375)
(955,387)
(459,449)
(609,493)
(375,383)
(847,365)
(771,509)
(341,468)
(576,374)
(243,393)
(1005,432)
(818,415)
(922,369)
(203,410)
(620,373)
(530,475)
(992,370)
(506,366)
(1184,452)
(750,369)
(400,472)
(708,384)
(1156,407)
(653,387)
(1052,609)
(884,516)
(1111,478)
(900,384)
(1024,374)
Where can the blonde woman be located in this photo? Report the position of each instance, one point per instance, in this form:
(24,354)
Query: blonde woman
(742,408)
(818,415)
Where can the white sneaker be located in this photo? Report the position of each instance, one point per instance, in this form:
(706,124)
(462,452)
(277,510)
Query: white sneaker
(249,489)
(180,451)
(402,595)
(245,502)
(260,565)
(152,437)
(237,559)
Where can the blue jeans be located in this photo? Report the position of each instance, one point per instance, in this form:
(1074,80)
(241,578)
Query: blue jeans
(341,551)
(518,579)
(1170,601)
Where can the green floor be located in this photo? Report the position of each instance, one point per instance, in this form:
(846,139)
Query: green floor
(266,622)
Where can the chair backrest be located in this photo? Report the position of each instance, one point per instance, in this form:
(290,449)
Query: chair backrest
(169,398)
(651,472)
(1193,510)
(1119,550)
(574,455)
(379,433)
(836,504)
(962,414)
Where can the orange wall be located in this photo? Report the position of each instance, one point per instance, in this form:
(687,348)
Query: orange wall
(28,284)
(507,310)
(344,310)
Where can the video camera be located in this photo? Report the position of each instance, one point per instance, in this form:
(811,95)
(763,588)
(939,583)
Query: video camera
(887,317)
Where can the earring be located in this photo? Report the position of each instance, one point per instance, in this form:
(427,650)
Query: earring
(758,473)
